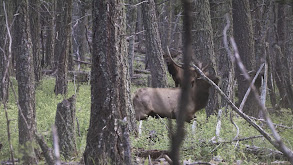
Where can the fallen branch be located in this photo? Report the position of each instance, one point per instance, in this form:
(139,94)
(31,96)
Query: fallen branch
(278,144)
(276,125)
(83,62)
(56,145)
(137,71)
(264,153)
(249,89)
(154,154)
(48,152)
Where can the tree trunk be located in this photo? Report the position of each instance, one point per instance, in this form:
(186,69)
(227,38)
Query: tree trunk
(139,28)
(176,32)
(48,32)
(65,124)
(2,47)
(165,25)
(25,79)
(203,45)
(178,137)
(271,37)
(62,47)
(107,139)
(260,17)
(153,45)
(132,16)
(283,76)
(79,22)
(34,19)
(243,33)
(289,43)
(219,11)
(70,66)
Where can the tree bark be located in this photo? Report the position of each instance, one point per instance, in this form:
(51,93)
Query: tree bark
(165,24)
(2,48)
(220,10)
(243,33)
(34,19)
(283,76)
(289,43)
(79,22)
(139,28)
(47,24)
(62,47)
(153,45)
(25,79)
(203,45)
(107,141)
(65,124)
(132,16)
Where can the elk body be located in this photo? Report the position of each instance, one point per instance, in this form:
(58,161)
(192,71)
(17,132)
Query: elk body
(165,101)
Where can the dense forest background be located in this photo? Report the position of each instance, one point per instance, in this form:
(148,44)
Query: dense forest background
(69,70)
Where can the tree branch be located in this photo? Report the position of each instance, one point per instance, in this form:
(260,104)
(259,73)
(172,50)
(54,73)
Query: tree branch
(278,144)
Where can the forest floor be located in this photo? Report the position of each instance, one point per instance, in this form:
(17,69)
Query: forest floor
(200,145)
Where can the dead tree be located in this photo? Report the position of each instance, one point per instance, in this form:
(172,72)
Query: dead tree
(65,124)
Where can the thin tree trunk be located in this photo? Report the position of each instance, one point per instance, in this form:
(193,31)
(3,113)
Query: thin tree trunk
(48,32)
(165,25)
(79,22)
(289,43)
(132,16)
(25,79)
(62,47)
(2,48)
(139,28)
(34,19)
(178,137)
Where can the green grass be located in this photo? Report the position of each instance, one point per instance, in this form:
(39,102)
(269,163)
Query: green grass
(195,146)
(46,105)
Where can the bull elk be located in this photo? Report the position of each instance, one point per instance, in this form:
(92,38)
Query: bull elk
(165,101)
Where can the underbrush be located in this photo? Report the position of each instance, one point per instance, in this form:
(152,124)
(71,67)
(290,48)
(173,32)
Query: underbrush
(155,132)
(46,105)
(200,143)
